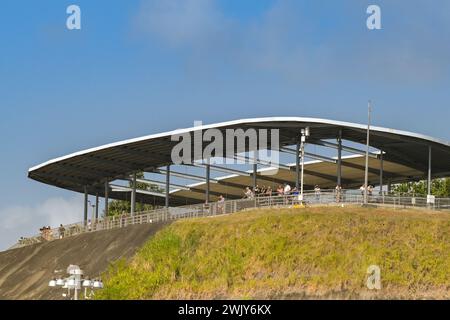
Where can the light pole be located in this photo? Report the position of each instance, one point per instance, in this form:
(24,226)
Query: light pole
(93,210)
(305,133)
(91,284)
(366,176)
(74,281)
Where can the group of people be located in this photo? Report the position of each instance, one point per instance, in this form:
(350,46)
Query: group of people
(263,191)
(369,189)
(266,191)
(286,190)
(249,193)
(46,232)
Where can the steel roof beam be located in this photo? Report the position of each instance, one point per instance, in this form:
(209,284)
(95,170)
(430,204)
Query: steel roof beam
(398,157)
(261,162)
(214,193)
(371,170)
(117,188)
(318,174)
(144,155)
(344,148)
(90,170)
(310,155)
(232,184)
(185,175)
(118,163)
(223,169)
(327,177)
(159,183)
(267,163)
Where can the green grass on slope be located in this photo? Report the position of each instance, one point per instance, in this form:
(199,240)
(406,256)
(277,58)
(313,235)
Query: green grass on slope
(290,253)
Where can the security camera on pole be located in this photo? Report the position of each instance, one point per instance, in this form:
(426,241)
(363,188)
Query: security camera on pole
(305,133)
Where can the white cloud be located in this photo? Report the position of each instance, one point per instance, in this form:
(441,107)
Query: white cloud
(291,39)
(181,22)
(17,221)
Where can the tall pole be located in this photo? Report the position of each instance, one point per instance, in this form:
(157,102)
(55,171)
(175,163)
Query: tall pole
(366,176)
(96,206)
(133,195)
(255,172)
(167,185)
(381,171)
(106,198)
(339,162)
(93,212)
(429,170)
(297,165)
(302,147)
(85,205)
(208,174)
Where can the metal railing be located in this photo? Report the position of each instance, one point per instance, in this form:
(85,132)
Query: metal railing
(327,197)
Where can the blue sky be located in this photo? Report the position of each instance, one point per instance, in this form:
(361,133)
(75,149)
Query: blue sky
(145,66)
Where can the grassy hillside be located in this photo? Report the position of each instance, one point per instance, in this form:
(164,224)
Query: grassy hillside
(291,253)
(25,272)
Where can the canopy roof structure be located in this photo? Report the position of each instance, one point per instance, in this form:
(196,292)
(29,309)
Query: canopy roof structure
(406,156)
(318,172)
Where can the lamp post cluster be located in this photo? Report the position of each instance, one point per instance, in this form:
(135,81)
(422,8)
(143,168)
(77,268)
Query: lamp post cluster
(75,282)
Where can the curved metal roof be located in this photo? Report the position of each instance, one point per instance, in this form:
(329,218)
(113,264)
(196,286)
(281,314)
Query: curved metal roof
(93,166)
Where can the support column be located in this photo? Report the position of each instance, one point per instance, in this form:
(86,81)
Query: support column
(297,166)
(208,174)
(85,205)
(381,171)
(389,186)
(255,172)
(339,161)
(133,195)
(429,170)
(96,207)
(106,198)
(302,171)
(167,185)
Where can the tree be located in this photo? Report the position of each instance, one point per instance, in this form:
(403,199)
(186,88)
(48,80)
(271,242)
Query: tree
(439,188)
(117,207)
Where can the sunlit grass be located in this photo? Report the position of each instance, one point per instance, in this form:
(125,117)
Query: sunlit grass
(289,252)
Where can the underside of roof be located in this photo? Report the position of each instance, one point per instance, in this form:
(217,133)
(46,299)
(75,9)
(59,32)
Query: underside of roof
(318,173)
(405,158)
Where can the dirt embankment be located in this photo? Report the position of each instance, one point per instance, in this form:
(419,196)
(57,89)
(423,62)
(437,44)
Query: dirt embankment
(25,272)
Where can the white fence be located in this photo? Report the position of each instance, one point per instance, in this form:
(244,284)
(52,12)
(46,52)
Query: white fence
(232,206)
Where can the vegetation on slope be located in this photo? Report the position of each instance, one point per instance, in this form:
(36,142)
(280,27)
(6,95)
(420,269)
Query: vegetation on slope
(118,207)
(439,188)
(290,253)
